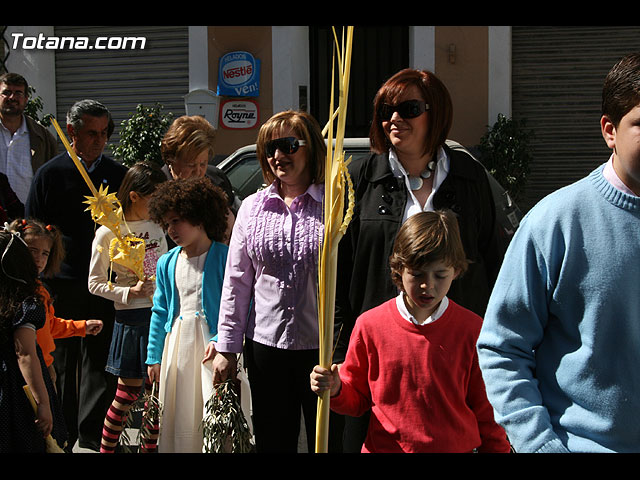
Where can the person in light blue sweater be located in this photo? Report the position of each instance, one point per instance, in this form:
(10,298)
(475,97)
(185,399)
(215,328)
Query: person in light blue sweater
(560,344)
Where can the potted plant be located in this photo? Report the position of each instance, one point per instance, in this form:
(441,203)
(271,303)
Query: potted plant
(505,153)
(141,135)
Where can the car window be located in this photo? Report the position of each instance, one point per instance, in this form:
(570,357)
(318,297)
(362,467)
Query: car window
(246,176)
(356,153)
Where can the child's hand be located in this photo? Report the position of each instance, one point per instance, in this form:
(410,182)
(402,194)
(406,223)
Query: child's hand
(209,352)
(44,419)
(323,379)
(93,327)
(142,289)
(153,372)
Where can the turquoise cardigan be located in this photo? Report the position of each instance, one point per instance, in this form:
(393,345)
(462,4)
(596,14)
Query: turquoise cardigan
(166,301)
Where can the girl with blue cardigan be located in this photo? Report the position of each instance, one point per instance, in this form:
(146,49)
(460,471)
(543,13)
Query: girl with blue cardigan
(185,308)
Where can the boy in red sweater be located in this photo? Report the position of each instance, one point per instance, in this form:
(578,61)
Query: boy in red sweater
(412,360)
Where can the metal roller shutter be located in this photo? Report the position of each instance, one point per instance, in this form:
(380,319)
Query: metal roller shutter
(123,78)
(557,76)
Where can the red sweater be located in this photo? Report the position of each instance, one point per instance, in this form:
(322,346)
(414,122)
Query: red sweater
(421,382)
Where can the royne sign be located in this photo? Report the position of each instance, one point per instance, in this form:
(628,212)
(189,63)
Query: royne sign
(239,75)
(239,114)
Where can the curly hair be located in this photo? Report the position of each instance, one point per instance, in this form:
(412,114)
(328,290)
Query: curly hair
(196,200)
(31,228)
(424,238)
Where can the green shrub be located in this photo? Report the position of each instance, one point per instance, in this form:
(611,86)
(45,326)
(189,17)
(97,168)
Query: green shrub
(141,135)
(505,153)
(34,106)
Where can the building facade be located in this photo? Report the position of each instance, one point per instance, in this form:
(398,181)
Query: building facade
(548,76)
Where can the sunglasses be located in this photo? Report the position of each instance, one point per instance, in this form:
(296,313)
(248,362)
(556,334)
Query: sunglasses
(408,109)
(287,145)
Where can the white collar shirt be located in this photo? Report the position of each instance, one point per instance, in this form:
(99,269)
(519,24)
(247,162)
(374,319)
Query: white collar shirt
(15,159)
(612,177)
(404,312)
(441,172)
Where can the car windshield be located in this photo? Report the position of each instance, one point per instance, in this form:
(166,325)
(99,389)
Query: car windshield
(246,176)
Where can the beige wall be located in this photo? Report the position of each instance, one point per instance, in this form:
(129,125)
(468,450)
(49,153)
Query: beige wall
(257,41)
(466,77)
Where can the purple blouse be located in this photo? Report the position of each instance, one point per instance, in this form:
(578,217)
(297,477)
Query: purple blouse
(270,283)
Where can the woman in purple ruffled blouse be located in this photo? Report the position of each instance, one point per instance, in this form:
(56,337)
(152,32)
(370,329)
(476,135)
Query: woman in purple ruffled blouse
(269,297)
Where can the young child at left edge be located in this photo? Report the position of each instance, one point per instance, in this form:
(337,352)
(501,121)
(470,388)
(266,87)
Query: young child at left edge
(45,245)
(132,298)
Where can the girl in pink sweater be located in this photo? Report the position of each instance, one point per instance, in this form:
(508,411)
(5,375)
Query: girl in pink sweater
(412,360)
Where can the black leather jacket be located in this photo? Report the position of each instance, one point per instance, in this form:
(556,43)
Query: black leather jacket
(364,279)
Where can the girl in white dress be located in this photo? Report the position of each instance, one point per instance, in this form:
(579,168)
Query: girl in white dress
(185,307)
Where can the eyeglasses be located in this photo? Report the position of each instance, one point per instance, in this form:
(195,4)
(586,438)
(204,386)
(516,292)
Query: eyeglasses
(15,93)
(408,109)
(287,145)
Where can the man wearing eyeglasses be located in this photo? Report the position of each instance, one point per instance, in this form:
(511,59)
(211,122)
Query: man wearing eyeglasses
(24,144)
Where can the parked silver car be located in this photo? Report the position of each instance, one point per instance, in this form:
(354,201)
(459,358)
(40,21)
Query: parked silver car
(245,175)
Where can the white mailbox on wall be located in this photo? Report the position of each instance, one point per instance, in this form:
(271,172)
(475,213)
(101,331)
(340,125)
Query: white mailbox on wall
(204,103)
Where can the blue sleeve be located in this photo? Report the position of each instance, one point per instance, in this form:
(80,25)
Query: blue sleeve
(513,327)
(159,314)
(214,288)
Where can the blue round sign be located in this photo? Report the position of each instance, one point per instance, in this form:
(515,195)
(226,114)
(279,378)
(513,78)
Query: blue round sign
(239,75)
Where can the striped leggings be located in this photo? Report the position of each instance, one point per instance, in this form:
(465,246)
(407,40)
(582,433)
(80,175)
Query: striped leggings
(126,395)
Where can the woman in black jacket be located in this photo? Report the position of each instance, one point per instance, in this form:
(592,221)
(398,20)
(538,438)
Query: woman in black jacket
(411,170)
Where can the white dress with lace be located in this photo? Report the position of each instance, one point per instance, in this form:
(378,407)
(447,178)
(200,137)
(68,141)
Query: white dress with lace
(185,383)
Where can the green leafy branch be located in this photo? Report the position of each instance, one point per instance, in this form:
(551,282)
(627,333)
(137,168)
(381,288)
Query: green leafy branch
(224,427)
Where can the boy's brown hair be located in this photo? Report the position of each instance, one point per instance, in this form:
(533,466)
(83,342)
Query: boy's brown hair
(621,89)
(424,238)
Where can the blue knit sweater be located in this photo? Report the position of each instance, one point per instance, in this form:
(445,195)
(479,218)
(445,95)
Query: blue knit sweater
(560,345)
(166,301)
